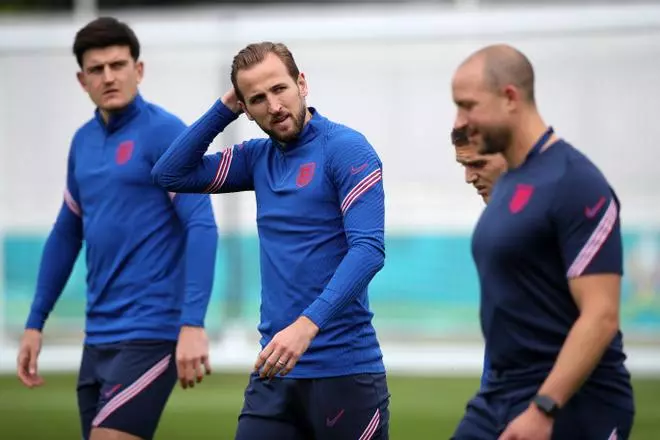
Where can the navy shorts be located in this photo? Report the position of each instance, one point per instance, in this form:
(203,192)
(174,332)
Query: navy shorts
(583,418)
(124,386)
(347,407)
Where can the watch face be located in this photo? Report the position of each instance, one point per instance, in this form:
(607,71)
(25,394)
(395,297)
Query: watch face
(546,404)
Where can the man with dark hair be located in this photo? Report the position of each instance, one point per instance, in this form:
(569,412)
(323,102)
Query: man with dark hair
(320,215)
(150,254)
(482,172)
(549,256)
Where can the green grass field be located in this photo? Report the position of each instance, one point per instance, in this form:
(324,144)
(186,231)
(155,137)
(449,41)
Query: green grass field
(422,408)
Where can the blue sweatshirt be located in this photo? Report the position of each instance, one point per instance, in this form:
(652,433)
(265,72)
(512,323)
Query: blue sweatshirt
(320,218)
(150,254)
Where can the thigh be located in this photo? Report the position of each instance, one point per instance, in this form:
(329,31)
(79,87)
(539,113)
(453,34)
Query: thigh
(480,420)
(137,383)
(260,428)
(588,418)
(88,390)
(355,406)
(271,410)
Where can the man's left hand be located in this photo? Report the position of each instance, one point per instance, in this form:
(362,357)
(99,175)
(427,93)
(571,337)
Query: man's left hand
(286,347)
(530,425)
(192,356)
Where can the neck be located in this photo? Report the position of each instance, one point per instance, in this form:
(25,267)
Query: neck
(528,130)
(105,115)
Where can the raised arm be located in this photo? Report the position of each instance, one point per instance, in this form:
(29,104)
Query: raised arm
(185,168)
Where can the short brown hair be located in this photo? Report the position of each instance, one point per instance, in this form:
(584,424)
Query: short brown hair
(104,32)
(255,53)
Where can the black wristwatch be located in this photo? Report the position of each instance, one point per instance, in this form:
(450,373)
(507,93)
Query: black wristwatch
(547,406)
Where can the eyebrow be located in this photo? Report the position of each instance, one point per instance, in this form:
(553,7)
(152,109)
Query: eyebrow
(260,94)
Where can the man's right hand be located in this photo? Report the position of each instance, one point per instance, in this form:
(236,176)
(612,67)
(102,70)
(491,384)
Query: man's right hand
(231,101)
(27,359)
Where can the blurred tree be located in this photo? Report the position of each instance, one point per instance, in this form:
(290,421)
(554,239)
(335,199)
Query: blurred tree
(35,5)
(113,4)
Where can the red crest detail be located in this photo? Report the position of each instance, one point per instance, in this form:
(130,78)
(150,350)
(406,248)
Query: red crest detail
(520,197)
(124,152)
(305,174)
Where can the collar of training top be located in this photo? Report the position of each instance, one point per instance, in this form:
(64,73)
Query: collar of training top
(122,117)
(309,132)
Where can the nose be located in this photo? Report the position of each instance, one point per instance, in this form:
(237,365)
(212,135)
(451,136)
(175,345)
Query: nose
(461,119)
(274,105)
(470,176)
(108,75)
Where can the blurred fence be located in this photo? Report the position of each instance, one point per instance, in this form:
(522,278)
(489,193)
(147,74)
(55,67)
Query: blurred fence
(386,71)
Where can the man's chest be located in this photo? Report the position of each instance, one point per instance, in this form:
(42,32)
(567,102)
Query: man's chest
(517,225)
(295,185)
(118,162)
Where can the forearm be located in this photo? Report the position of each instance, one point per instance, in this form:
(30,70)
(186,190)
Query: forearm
(57,261)
(201,248)
(581,352)
(352,276)
(181,167)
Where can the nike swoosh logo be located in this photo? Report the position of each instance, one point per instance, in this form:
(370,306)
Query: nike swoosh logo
(331,422)
(358,169)
(591,212)
(112,390)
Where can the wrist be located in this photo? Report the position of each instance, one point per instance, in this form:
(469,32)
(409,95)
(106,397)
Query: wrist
(232,106)
(32,330)
(546,406)
(309,325)
(190,327)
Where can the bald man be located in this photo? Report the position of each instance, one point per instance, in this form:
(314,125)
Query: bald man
(548,252)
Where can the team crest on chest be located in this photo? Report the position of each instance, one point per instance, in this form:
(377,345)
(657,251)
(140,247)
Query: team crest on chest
(305,174)
(124,152)
(520,197)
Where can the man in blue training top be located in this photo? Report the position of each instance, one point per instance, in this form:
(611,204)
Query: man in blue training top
(549,256)
(481,171)
(320,217)
(150,254)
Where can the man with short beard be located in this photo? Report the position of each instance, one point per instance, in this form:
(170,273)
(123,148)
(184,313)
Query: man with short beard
(320,217)
(549,256)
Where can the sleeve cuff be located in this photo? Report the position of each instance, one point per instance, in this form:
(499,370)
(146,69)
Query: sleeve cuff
(318,312)
(192,321)
(35,321)
(224,111)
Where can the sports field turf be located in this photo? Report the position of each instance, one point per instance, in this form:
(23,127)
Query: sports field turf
(422,408)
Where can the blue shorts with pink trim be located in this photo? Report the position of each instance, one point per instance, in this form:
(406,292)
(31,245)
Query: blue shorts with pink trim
(345,407)
(124,386)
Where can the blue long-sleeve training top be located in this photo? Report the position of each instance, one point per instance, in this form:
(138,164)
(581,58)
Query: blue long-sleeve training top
(150,254)
(320,218)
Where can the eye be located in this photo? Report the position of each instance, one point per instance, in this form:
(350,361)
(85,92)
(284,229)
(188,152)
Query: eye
(95,69)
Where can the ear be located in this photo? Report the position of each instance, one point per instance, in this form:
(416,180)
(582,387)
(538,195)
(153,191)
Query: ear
(302,85)
(244,108)
(512,96)
(81,80)
(139,67)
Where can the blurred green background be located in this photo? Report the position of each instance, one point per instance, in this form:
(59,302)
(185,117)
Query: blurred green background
(426,408)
